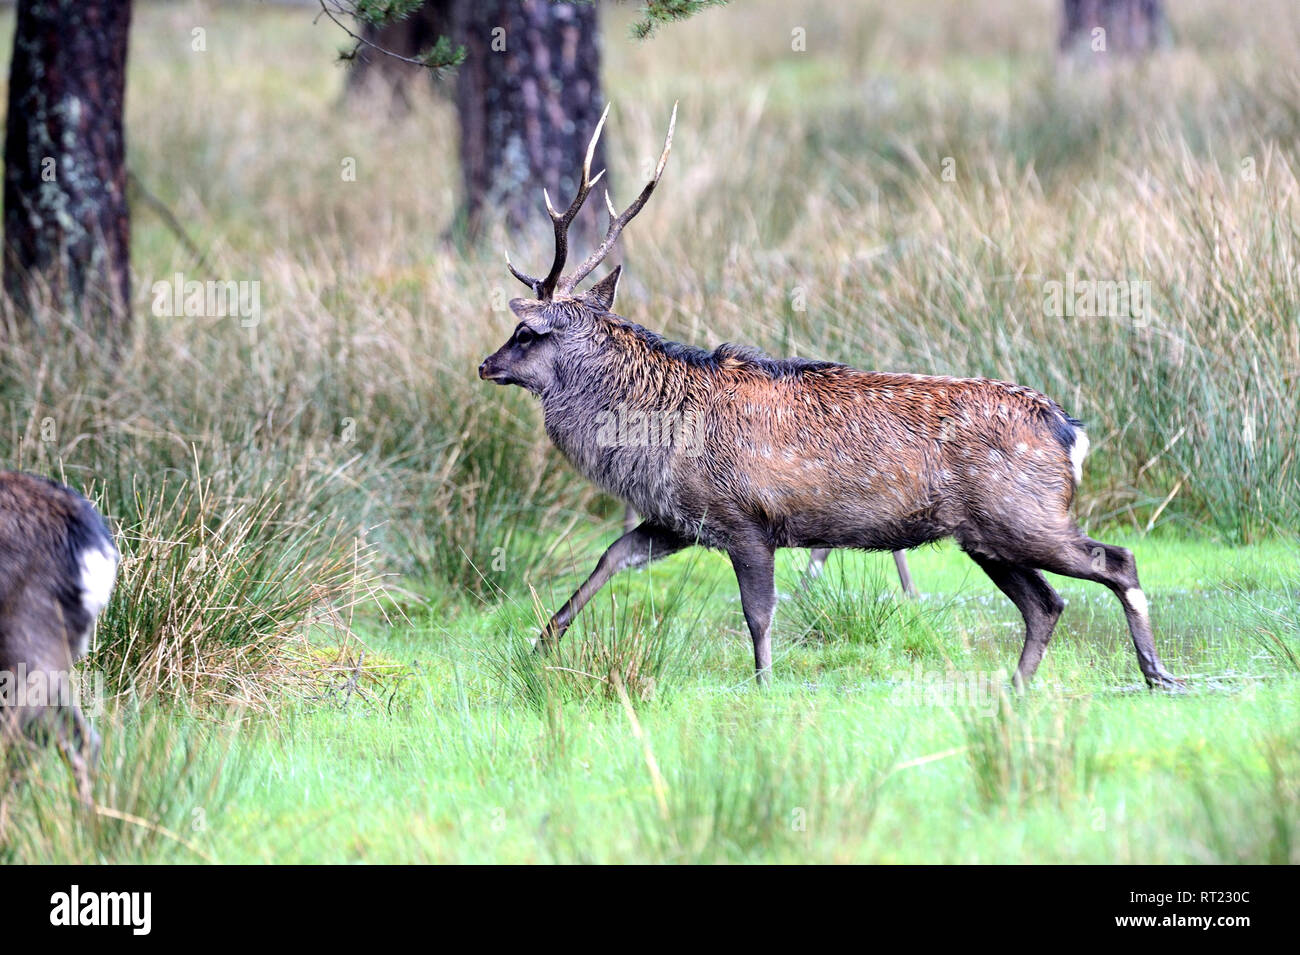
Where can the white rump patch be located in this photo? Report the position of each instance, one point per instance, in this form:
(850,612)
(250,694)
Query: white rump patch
(1137,600)
(98,571)
(1077,453)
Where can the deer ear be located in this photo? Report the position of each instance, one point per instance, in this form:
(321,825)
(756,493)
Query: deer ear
(534,313)
(602,293)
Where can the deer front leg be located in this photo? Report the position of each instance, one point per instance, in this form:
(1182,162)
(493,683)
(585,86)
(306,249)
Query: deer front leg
(638,547)
(755,565)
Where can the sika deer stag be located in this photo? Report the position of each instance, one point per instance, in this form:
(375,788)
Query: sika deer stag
(755,453)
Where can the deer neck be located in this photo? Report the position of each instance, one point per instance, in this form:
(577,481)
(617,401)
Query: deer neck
(623,415)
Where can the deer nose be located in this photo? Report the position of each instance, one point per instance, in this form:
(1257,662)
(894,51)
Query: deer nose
(482,370)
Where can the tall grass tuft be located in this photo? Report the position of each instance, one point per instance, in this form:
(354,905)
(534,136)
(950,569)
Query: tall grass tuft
(162,783)
(856,601)
(1029,749)
(1273,616)
(629,635)
(485,508)
(1261,824)
(759,789)
(219,595)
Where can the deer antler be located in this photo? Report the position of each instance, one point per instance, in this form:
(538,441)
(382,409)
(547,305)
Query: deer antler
(546,288)
(616,222)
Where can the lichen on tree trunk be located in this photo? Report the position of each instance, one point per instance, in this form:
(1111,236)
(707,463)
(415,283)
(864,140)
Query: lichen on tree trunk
(66,222)
(529,98)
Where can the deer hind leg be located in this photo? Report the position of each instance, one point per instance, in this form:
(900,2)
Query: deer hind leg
(630,518)
(638,547)
(1038,603)
(25,731)
(816,565)
(80,746)
(1087,559)
(904,573)
(77,741)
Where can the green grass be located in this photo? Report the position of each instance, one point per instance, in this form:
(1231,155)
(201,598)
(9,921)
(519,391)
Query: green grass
(338,542)
(859,751)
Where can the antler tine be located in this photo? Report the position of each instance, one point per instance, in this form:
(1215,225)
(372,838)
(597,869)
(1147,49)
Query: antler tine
(562,221)
(544,288)
(533,283)
(616,222)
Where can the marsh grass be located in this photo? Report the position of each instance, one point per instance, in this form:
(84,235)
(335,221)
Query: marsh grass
(630,635)
(1273,614)
(162,779)
(269,483)
(751,789)
(219,597)
(859,603)
(1263,825)
(491,516)
(727,806)
(1029,748)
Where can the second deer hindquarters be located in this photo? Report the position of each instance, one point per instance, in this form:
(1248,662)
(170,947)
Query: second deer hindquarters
(58,564)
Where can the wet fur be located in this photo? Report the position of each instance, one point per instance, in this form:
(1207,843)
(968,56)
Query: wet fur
(798,453)
(812,453)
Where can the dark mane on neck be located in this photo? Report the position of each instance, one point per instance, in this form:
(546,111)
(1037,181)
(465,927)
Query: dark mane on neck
(725,355)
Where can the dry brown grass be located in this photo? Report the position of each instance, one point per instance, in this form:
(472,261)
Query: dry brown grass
(803,210)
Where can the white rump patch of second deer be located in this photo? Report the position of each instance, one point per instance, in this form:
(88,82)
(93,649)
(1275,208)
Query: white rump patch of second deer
(98,571)
(1077,453)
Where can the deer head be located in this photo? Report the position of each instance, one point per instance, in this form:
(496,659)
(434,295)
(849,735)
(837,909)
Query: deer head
(551,320)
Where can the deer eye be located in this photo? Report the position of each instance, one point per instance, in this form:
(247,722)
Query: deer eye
(524,336)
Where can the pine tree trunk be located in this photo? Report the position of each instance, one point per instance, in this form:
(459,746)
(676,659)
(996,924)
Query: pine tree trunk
(66,224)
(529,97)
(1130,26)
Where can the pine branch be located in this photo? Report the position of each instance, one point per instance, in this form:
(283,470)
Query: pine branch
(658,12)
(443,55)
